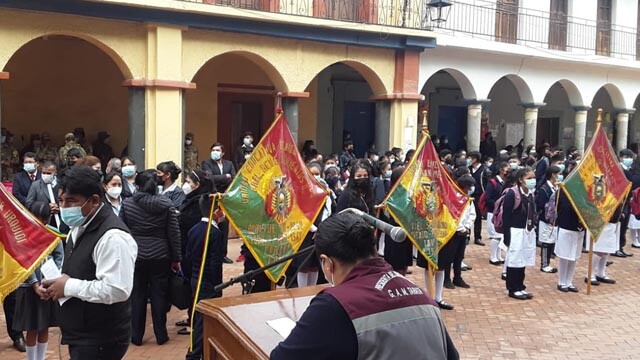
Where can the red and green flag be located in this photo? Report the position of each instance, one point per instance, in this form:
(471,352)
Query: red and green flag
(426,202)
(274,199)
(597,186)
(24,243)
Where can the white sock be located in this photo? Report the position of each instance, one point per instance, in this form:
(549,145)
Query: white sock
(635,236)
(602,266)
(31,352)
(312,278)
(302,279)
(495,250)
(426,282)
(41,350)
(571,269)
(504,266)
(562,270)
(595,265)
(439,285)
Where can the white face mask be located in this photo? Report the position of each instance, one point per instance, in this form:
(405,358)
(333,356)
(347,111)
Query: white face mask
(375,158)
(188,141)
(472,190)
(114,192)
(47,178)
(186,188)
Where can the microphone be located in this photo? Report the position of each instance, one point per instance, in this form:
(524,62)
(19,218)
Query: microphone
(396,233)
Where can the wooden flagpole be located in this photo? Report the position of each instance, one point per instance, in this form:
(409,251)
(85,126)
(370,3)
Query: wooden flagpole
(431,286)
(591,238)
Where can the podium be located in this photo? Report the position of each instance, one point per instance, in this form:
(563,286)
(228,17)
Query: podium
(236,327)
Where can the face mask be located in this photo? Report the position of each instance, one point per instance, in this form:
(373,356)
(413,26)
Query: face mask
(513,166)
(437,142)
(387,174)
(73,216)
(100,174)
(332,282)
(560,178)
(472,190)
(188,142)
(29,167)
(530,184)
(468,162)
(47,178)
(332,181)
(375,158)
(114,192)
(128,171)
(445,141)
(489,164)
(327,167)
(216,155)
(247,141)
(362,183)
(625,161)
(561,166)
(318,177)
(392,159)
(186,188)
(70,163)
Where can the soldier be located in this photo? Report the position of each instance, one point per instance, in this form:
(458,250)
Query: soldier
(46,152)
(190,154)
(70,143)
(10,156)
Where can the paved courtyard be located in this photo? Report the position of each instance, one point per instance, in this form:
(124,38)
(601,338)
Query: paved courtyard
(485,324)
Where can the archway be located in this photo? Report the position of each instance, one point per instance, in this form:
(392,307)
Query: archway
(447,95)
(609,99)
(506,111)
(235,93)
(556,120)
(339,107)
(59,83)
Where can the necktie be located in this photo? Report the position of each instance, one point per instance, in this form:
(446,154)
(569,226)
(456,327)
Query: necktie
(33,177)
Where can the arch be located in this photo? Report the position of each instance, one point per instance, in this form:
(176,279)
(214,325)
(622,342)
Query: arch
(523,90)
(272,73)
(369,75)
(617,99)
(467,89)
(572,91)
(112,54)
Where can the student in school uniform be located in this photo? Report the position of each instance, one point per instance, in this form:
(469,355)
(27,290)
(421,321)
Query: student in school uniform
(568,243)
(608,243)
(493,192)
(546,227)
(463,232)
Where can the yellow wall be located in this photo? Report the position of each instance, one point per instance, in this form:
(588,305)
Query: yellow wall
(308,115)
(62,83)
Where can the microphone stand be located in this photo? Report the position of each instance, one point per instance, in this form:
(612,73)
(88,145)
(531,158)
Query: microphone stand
(247,279)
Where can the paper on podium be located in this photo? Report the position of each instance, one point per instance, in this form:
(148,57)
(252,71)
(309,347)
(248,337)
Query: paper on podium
(283,326)
(50,271)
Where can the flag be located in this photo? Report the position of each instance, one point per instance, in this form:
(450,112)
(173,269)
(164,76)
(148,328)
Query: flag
(24,243)
(597,186)
(426,202)
(274,199)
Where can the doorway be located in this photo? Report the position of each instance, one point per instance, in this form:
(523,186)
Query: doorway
(239,113)
(548,130)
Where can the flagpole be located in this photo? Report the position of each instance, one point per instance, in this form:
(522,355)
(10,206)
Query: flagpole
(430,273)
(591,238)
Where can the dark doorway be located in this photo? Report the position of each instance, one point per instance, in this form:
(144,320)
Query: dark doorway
(548,130)
(452,122)
(238,113)
(359,123)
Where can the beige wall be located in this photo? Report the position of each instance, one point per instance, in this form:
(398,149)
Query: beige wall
(62,83)
(308,114)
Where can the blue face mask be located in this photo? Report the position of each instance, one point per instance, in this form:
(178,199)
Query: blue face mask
(530,183)
(468,162)
(73,216)
(562,167)
(560,178)
(513,166)
(128,171)
(627,162)
(216,155)
(29,167)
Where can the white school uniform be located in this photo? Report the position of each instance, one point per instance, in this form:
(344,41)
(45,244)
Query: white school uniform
(569,244)
(609,240)
(522,249)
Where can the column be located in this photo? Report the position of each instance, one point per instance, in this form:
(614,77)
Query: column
(530,124)
(3,76)
(474,123)
(580,127)
(290,108)
(382,124)
(622,129)
(137,125)
(403,128)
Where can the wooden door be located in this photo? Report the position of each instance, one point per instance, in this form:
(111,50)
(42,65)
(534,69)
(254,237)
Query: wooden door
(603,31)
(507,21)
(558,24)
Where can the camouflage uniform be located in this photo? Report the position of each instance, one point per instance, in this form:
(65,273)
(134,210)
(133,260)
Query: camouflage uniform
(10,161)
(190,158)
(46,153)
(62,154)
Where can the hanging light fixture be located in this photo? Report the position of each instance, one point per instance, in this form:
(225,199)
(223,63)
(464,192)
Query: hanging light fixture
(439,10)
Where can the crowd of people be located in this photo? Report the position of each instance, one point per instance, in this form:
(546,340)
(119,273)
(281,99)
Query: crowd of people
(156,228)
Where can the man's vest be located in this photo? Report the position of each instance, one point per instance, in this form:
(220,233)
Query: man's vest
(393,318)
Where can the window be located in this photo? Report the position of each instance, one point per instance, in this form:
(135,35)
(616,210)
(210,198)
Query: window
(558,24)
(603,30)
(507,21)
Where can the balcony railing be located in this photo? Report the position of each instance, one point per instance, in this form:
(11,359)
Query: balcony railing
(474,18)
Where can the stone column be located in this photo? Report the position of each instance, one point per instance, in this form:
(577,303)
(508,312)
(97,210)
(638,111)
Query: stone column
(403,129)
(290,108)
(530,124)
(474,124)
(580,127)
(622,130)
(136,144)
(382,123)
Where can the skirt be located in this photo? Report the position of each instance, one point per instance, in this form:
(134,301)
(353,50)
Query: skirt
(31,313)
(398,255)
(547,233)
(569,244)
(491,230)
(634,223)
(609,240)
(522,249)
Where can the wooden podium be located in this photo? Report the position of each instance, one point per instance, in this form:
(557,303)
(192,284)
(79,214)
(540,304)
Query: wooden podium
(236,327)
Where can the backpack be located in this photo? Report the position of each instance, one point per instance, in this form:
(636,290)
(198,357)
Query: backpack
(635,203)
(497,210)
(482,202)
(551,209)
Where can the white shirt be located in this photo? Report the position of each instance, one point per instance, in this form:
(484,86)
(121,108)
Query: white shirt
(467,219)
(115,258)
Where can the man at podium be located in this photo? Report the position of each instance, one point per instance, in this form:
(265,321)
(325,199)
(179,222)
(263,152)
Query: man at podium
(371,312)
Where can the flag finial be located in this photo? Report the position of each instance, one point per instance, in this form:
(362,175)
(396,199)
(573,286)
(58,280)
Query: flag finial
(599,118)
(279,102)
(425,125)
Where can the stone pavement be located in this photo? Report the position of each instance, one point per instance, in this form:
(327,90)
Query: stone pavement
(485,324)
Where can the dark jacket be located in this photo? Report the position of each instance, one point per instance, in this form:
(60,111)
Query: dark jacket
(379,189)
(39,192)
(541,169)
(567,217)
(176,196)
(488,148)
(477,176)
(212,274)
(351,198)
(22,184)
(220,178)
(153,222)
(241,151)
(543,195)
(520,217)
(494,191)
(190,214)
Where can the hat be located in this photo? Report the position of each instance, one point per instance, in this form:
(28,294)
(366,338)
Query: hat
(189,135)
(69,137)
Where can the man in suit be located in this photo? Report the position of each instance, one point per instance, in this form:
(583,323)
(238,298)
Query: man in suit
(39,192)
(222,172)
(22,181)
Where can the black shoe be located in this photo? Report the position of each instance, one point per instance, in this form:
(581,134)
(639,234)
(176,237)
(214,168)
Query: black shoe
(609,263)
(162,341)
(626,253)
(563,288)
(635,246)
(444,305)
(184,331)
(19,344)
(504,277)
(226,260)
(466,268)
(594,281)
(573,288)
(518,295)
(619,254)
(529,296)
(409,271)
(479,242)
(605,279)
(449,285)
(136,342)
(496,263)
(461,283)
(183,323)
